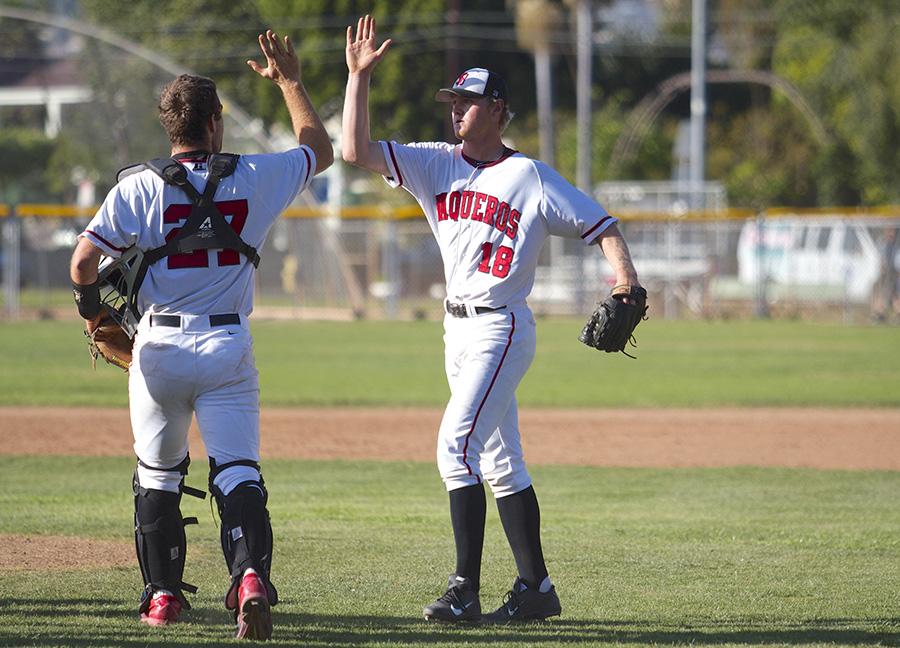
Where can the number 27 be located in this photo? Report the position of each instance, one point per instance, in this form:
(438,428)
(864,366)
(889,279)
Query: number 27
(237,209)
(502,260)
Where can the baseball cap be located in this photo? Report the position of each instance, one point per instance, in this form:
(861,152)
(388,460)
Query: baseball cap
(475,83)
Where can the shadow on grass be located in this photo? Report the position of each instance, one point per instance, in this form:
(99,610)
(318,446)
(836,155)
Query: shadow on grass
(92,622)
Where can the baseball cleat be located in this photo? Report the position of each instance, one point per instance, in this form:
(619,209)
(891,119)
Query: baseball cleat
(164,609)
(459,603)
(254,616)
(522,603)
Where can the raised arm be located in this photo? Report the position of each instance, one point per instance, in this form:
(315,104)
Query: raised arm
(283,69)
(357,146)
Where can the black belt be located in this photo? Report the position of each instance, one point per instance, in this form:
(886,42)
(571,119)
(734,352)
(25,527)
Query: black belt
(175,320)
(459,310)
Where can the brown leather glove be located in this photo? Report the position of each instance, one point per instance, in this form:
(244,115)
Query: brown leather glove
(107,339)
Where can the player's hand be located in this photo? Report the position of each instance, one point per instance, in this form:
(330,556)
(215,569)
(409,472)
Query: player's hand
(282,64)
(361,53)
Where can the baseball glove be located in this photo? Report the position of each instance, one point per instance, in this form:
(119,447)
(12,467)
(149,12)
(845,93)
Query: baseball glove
(611,326)
(107,339)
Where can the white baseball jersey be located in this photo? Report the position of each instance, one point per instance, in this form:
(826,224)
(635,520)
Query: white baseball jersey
(142,209)
(189,364)
(491,220)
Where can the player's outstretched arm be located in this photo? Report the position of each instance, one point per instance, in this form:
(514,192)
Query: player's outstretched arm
(357,146)
(283,69)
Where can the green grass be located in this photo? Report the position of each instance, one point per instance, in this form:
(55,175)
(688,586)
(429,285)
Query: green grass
(646,557)
(401,363)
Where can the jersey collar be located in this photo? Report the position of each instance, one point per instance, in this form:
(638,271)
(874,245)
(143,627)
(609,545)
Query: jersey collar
(191,156)
(483,165)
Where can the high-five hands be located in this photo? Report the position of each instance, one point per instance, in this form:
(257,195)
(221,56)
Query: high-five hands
(282,64)
(361,53)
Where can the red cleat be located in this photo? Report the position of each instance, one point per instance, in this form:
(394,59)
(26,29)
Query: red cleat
(254,617)
(164,609)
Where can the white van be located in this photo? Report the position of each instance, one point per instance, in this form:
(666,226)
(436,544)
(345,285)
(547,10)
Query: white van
(839,256)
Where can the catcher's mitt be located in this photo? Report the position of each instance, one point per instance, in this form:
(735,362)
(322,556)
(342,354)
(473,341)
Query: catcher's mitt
(612,324)
(107,339)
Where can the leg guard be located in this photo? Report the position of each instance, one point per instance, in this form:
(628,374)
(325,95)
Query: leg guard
(159,538)
(160,542)
(246,532)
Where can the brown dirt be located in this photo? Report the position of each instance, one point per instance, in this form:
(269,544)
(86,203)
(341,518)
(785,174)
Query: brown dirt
(41,552)
(816,438)
(864,439)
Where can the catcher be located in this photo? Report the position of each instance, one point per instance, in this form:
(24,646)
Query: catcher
(171,306)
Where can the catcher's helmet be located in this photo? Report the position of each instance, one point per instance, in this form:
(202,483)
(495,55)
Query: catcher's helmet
(119,281)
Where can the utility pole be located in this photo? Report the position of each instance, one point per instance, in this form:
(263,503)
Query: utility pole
(583,119)
(583,95)
(536,22)
(451,56)
(544,81)
(698,100)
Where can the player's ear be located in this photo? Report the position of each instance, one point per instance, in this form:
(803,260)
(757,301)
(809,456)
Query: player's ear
(497,106)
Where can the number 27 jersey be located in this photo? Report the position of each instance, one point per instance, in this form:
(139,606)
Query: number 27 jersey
(143,210)
(491,219)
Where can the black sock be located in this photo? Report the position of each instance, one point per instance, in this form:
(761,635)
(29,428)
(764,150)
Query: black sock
(467,512)
(521,519)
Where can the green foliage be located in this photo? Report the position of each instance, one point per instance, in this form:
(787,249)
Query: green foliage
(25,156)
(759,165)
(840,54)
(843,57)
(401,363)
(744,557)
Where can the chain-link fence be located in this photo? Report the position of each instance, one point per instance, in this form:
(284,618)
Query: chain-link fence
(375,262)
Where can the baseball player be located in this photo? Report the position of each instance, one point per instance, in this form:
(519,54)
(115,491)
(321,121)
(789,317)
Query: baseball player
(193,351)
(490,209)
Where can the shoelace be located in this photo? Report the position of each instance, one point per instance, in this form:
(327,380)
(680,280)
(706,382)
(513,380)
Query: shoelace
(511,600)
(450,596)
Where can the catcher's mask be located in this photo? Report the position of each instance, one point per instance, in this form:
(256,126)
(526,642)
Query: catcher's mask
(119,281)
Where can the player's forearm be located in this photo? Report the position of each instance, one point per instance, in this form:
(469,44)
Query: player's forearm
(308,127)
(615,249)
(357,147)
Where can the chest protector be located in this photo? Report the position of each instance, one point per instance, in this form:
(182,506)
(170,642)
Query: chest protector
(204,229)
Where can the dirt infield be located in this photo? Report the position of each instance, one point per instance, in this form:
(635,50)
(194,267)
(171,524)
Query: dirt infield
(816,438)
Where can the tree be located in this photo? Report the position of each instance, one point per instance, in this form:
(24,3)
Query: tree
(843,55)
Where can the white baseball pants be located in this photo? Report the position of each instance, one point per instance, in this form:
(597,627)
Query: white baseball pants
(486,357)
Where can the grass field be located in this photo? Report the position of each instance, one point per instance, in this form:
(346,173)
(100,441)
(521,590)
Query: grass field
(642,557)
(724,557)
(390,363)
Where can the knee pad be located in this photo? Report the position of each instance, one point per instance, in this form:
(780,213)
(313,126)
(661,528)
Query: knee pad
(246,531)
(230,478)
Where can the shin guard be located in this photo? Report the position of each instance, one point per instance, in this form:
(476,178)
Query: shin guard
(160,543)
(246,536)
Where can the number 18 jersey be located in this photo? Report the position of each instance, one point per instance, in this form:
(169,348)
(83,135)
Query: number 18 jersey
(491,219)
